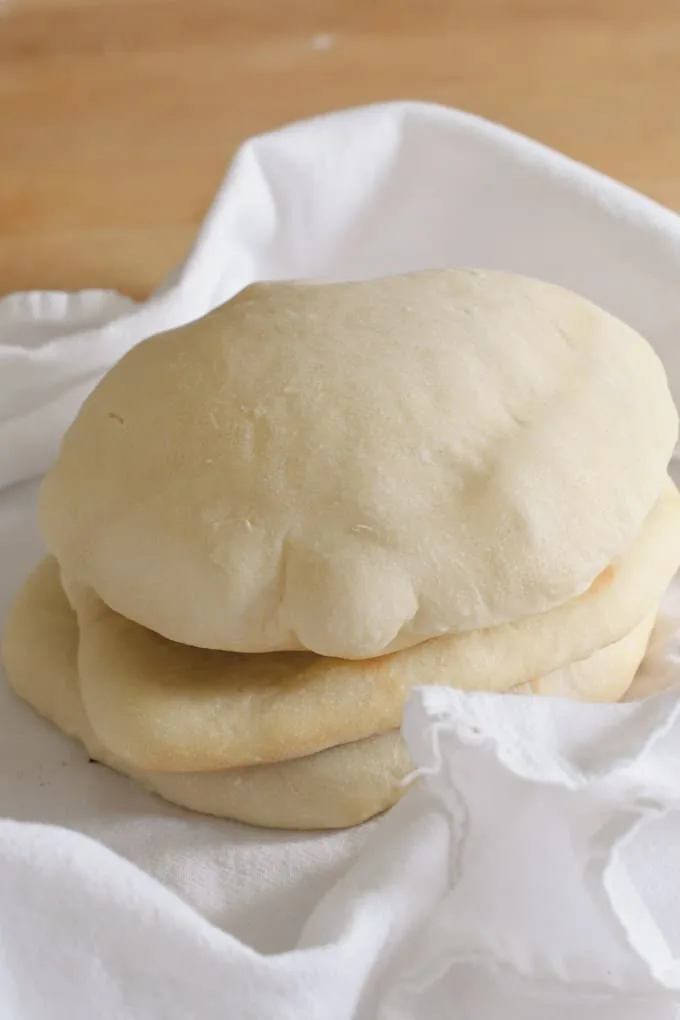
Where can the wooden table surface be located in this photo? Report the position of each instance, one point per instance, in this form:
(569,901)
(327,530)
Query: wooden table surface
(118,117)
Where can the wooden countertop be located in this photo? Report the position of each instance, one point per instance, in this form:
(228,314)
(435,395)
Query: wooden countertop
(118,117)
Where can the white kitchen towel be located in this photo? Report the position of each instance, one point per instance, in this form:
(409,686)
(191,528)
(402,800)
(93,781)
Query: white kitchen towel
(533,871)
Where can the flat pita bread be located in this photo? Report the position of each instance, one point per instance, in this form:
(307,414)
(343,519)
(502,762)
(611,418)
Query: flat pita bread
(334,789)
(340,787)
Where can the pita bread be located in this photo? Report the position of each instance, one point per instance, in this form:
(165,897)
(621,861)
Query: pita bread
(355,468)
(164,706)
(605,676)
(342,786)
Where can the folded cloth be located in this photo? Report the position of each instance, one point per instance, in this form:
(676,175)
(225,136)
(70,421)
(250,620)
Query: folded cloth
(532,871)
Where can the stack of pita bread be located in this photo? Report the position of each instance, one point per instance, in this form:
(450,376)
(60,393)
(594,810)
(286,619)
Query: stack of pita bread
(265,528)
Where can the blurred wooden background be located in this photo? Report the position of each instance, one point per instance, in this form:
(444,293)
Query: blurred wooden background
(118,117)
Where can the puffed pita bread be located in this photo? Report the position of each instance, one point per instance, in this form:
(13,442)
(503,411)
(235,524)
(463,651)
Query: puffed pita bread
(164,706)
(342,786)
(355,468)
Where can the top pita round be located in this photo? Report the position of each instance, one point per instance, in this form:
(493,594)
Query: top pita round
(355,468)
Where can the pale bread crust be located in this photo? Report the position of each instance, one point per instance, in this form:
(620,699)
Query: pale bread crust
(605,676)
(164,706)
(340,787)
(355,468)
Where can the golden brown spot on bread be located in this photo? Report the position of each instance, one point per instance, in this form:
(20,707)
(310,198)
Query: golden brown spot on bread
(603,580)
